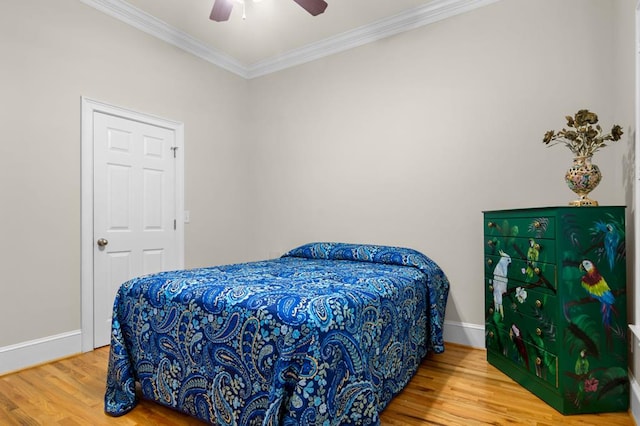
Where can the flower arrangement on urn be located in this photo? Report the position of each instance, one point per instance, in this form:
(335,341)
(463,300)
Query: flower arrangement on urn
(583,136)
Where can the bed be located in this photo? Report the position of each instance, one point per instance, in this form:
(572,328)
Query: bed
(325,335)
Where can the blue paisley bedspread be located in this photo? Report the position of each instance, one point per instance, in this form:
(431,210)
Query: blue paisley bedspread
(325,335)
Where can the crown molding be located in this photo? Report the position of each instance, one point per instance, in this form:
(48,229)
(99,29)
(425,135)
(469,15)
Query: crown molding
(430,13)
(434,11)
(143,21)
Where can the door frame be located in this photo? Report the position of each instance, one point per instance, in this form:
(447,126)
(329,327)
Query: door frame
(89,107)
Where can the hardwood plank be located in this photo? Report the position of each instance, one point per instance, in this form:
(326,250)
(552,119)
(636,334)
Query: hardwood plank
(458,387)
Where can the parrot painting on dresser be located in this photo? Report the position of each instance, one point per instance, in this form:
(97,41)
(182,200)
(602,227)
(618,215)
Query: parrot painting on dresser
(516,336)
(533,253)
(594,283)
(500,281)
(611,240)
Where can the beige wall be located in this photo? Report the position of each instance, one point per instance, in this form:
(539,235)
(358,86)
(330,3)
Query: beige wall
(407,140)
(403,141)
(51,54)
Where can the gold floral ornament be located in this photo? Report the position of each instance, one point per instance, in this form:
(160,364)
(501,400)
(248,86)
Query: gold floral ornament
(584,135)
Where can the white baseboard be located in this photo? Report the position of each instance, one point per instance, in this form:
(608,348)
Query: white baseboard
(34,352)
(464,334)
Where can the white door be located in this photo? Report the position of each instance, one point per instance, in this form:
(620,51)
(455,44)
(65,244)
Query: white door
(134,211)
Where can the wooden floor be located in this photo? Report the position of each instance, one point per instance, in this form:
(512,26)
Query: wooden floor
(454,388)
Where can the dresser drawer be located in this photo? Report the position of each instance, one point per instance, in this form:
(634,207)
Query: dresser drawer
(543,276)
(544,365)
(524,300)
(535,304)
(532,249)
(541,333)
(535,227)
(540,364)
(520,308)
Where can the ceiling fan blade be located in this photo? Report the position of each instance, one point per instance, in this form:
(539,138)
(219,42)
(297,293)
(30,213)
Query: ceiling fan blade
(314,7)
(221,10)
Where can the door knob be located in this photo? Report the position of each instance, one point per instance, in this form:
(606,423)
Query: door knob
(102,242)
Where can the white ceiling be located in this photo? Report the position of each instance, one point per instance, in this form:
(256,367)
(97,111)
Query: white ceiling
(277,33)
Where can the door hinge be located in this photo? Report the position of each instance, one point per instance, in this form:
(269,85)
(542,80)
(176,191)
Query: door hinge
(174,149)
(175,224)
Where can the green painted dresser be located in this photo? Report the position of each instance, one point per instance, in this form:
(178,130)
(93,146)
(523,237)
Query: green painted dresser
(555,304)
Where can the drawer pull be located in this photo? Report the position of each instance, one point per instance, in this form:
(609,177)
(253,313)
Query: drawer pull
(491,225)
(537,246)
(489,262)
(538,332)
(491,311)
(538,304)
(538,360)
(491,334)
(536,271)
(491,288)
(490,243)
(537,224)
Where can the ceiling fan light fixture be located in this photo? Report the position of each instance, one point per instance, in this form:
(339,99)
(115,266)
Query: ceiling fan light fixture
(222,8)
(244,7)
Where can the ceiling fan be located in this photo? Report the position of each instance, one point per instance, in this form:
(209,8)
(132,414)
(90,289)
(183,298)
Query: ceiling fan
(222,8)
